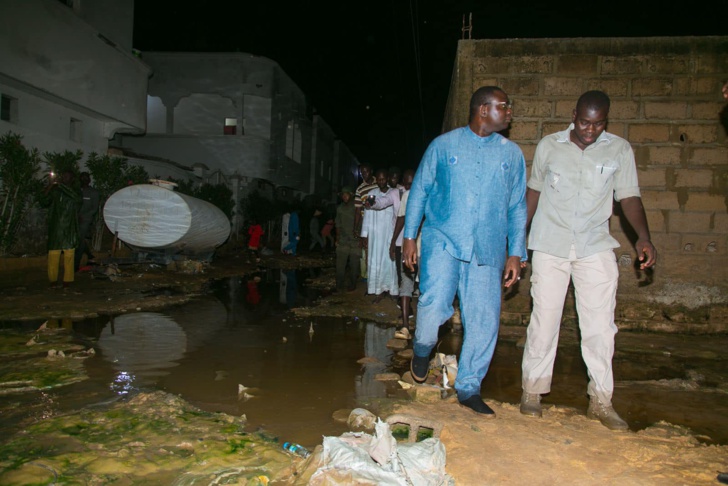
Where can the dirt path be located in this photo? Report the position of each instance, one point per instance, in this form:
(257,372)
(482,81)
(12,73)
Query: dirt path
(562,448)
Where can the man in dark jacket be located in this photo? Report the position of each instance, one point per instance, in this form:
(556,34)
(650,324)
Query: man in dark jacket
(63,202)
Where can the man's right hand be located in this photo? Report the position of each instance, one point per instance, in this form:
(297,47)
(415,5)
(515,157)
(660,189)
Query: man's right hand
(409,253)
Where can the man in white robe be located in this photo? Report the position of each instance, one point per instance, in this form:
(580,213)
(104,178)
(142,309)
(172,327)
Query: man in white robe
(380,216)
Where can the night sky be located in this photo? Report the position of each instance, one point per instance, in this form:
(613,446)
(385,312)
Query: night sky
(379,71)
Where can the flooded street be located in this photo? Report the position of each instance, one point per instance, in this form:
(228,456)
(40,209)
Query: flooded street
(239,351)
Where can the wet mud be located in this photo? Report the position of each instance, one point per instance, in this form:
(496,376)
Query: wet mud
(265,354)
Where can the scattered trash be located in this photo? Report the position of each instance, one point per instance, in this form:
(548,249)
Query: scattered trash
(405,385)
(379,459)
(361,418)
(285,339)
(296,449)
(447,364)
(53,354)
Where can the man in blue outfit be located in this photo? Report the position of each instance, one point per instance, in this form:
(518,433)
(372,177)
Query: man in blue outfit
(470,187)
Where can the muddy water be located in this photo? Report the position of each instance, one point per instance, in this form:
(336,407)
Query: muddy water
(295,372)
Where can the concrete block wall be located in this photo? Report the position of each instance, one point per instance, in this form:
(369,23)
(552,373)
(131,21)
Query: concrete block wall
(666,100)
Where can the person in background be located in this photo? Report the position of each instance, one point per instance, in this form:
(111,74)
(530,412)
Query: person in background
(63,201)
(294,233)
(470,188)
(326,234)
(255,231)
(576,175)
(314,227)
(348,251)
(368,183)
(86,219)
(380,215)
(407,280)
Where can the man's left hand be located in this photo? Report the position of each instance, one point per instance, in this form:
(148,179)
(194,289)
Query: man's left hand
(512,270)
(646,253)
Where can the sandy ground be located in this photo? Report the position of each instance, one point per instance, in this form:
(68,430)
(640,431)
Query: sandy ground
(564,447)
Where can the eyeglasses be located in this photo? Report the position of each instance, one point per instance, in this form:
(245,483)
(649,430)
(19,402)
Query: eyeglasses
(503,105)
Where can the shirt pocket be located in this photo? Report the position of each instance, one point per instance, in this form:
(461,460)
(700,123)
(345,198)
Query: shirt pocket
(553,181)
(603,173)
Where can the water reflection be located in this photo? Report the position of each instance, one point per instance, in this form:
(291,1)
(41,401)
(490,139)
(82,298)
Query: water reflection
(375,346)
(242,334)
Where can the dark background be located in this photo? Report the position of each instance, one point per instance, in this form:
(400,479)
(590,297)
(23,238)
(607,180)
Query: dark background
(379,71)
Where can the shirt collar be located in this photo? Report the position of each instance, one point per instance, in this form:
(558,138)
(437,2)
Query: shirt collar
(565,136)
(475,136)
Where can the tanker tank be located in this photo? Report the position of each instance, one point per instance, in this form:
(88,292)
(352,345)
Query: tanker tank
(156,221)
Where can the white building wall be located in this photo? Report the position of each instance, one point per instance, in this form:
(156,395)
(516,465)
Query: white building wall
(47,51)
(47,126)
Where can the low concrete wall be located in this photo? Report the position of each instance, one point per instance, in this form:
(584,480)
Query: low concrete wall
(666,100)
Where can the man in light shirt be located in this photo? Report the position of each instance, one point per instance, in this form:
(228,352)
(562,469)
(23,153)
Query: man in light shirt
(574,177)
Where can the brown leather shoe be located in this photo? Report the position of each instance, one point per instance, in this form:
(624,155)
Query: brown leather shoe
(605,414)
(531,404)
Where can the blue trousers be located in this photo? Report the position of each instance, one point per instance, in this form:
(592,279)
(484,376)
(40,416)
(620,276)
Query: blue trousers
(479,290)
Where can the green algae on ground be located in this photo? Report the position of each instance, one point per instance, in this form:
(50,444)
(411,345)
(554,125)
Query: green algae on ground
(40,360)
(155,438)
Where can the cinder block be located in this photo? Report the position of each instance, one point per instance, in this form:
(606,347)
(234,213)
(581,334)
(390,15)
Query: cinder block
(707,244)
(656,220)
(708,156)
(531,64)
(697,133)
(622,65)
(652,86)
(625,110)
(514,65)
(668,64)
(671,110)
(562,86)
(479,81)
(702,201)
(694,178)
(565,109)
(531,108)
(689,222)
(693,86)
(490,65)
(711,63)
(520,86)
(649,132)
(655,199)
(665,241)
(548,128)
(706,110)
(654,178)
(665,155)
(614,87)
(618,129)
(524,131)
(528,150)
(577,64)
(720,223)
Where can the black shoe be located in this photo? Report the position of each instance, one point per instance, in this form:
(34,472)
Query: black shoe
(419,366)
(475,403)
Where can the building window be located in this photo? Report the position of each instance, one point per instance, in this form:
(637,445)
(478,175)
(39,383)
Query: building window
(231,126)
(293,141)
(9,109)
(75,131)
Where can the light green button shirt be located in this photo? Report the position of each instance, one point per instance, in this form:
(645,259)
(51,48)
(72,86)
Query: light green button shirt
(576,189)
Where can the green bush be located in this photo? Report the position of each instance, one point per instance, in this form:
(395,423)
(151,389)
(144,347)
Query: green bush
(18,184)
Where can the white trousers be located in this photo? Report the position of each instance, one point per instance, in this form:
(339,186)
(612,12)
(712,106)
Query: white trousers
(595,283)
